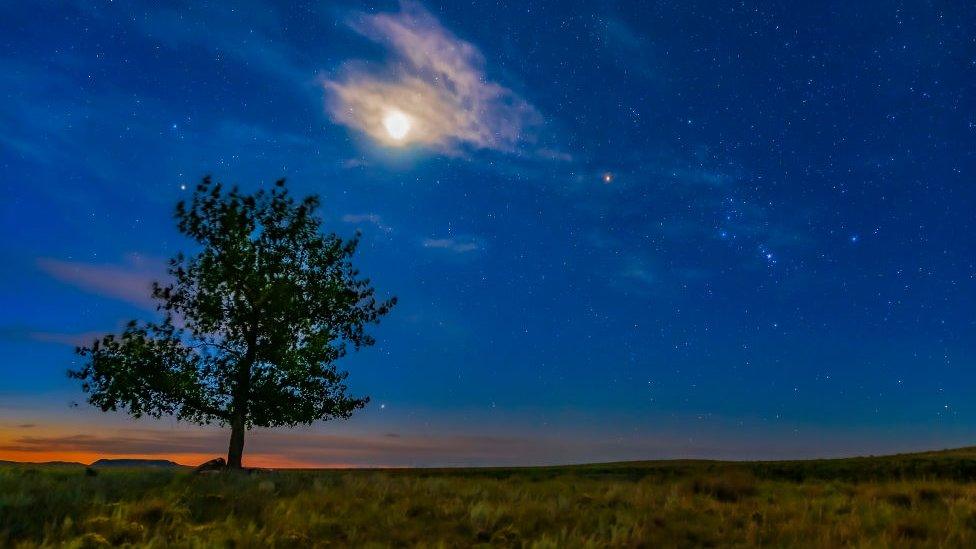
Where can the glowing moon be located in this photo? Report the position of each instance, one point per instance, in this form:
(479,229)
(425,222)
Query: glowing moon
(397,125)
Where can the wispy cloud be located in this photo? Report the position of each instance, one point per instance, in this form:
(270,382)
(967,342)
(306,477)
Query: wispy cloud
(640,273)
(456,245)
(252,37)
(367,218)
(130,281)
(644,276)
(29,334)
(311,449)
(437,81)
(626,48)
(295,448)
(35,122)
(72,340)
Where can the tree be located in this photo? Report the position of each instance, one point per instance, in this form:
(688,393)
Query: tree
(252,326)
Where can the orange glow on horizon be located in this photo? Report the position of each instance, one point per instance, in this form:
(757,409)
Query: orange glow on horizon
(36,440)
(10,440)
(257,460)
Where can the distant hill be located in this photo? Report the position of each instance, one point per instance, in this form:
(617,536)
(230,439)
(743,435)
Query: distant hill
(153,463)
(44,463)
(156,463)
(135,463)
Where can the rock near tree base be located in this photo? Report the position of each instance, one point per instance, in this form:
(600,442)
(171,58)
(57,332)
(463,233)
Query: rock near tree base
(219,465)
(211,467)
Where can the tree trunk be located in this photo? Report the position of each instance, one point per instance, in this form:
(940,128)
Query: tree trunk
(236,449)
(239,404)
(238,418)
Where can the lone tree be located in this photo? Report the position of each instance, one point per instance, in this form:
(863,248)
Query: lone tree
(253,323)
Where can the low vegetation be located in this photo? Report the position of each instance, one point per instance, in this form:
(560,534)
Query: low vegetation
(917,499)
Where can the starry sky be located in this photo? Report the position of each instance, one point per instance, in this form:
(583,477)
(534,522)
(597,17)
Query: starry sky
(616,230)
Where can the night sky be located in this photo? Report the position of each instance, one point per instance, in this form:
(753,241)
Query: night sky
(616,231)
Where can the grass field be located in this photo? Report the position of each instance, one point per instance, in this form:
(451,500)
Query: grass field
(916,499)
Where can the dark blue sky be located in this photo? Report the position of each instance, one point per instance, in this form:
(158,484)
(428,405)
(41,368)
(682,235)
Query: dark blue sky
(616,230)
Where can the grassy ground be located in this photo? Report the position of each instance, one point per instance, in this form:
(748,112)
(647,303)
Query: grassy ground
(918,499)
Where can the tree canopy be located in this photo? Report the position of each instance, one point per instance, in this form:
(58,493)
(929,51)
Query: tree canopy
(252,324)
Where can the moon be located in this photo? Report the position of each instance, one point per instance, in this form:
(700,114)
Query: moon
(397,124)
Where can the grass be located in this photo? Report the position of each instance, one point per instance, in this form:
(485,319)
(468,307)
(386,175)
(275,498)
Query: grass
(917,499)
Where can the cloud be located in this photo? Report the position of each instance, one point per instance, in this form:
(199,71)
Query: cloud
(254,37)
(455,245)
(640,274)
(293,448)
(37,121)
(72,340)
(130,282)
(643,276)
(370,218)
(437,81)
(266,448)
(134,442)
(354,163)
(627,49)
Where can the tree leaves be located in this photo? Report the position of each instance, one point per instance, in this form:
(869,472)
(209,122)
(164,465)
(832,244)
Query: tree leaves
(253,322)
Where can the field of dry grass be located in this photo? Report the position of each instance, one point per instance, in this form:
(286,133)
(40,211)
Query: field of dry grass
(920,499)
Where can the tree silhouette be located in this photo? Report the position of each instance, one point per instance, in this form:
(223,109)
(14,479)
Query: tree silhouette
(253,323)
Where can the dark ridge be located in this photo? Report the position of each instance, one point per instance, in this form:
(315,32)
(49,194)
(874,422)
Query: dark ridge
(135,463)
(43,463)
